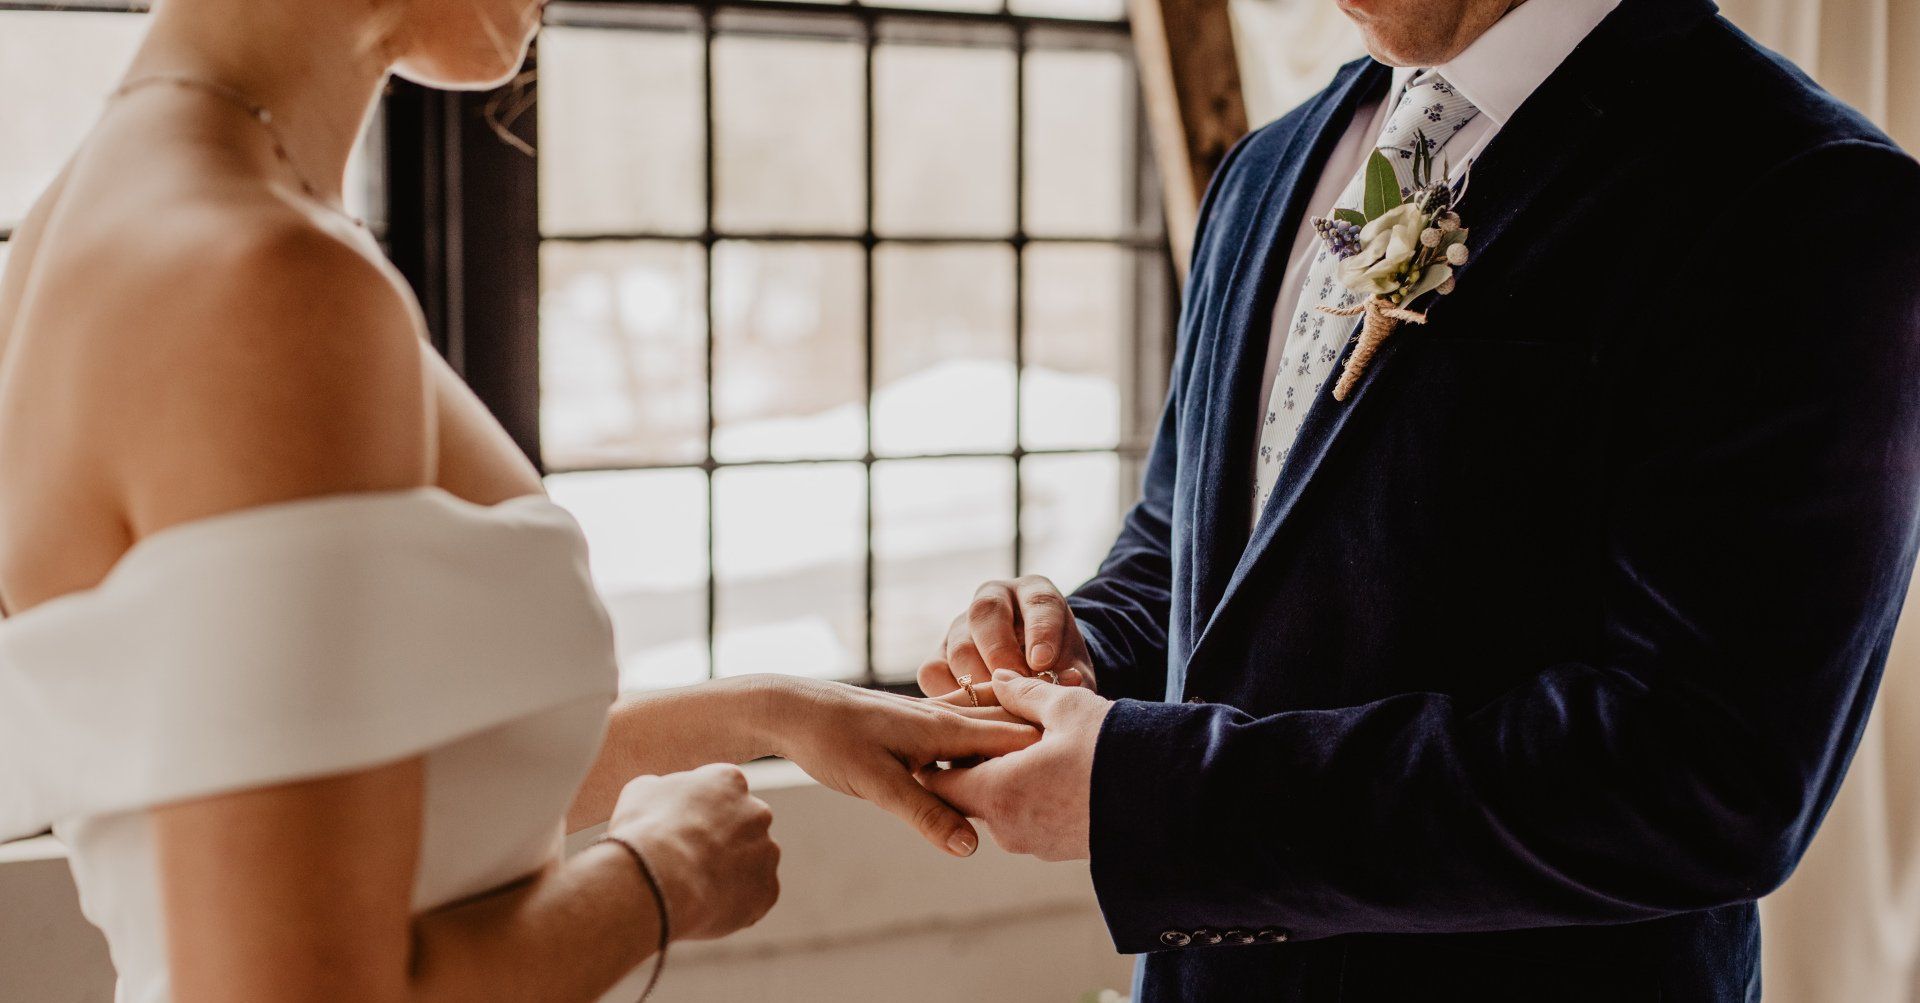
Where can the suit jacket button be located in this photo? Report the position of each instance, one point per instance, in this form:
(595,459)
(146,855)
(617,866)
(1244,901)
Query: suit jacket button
(1174,938)
(1241,937)
(1269,935)
(1205,937)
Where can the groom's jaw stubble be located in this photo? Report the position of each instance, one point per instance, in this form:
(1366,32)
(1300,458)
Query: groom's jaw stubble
(1422,32)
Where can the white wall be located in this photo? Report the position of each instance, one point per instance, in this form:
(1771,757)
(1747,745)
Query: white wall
(1288,51)
(868,911)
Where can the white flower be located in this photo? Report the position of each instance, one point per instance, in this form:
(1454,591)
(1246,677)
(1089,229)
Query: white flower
(1386,246)
(1456,254)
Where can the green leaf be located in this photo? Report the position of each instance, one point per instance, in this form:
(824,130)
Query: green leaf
(1422,160)
(1354,216)
(1383,187)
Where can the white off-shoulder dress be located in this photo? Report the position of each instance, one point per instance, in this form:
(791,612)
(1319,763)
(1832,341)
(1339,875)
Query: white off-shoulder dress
(299,640)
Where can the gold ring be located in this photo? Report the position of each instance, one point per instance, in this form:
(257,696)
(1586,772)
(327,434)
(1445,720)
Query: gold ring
(1048,676)
(964,680)
(971,695)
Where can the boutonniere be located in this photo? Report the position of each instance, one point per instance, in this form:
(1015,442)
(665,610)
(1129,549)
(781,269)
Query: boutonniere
(1401,245)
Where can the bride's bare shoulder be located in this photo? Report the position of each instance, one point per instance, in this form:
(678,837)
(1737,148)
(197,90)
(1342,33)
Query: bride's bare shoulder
(258,355)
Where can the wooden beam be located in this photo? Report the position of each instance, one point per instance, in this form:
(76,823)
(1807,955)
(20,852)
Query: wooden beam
(1190,80)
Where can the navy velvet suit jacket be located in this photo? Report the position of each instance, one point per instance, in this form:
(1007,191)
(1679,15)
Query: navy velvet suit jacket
(1552,646)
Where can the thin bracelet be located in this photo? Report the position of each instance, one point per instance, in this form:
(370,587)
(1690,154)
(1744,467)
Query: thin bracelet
(660,901)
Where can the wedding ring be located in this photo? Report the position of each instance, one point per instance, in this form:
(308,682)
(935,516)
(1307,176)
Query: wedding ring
(964,680)
(1048,676)
(971,695)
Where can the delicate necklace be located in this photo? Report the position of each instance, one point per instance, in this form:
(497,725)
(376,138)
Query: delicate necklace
(255,110)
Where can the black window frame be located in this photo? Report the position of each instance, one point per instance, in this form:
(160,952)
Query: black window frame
(871,27)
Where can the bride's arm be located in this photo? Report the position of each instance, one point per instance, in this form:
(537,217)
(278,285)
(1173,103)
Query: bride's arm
(859,742)
(302,892)
(275,363)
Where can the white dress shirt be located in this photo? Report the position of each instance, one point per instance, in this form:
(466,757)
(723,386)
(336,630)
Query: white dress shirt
(1498,72)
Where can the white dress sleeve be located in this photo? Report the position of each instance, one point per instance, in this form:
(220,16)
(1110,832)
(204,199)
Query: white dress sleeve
(293,641)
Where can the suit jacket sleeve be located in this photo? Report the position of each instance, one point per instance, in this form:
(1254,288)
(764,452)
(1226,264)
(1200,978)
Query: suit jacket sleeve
(1763,470)
(1124,610)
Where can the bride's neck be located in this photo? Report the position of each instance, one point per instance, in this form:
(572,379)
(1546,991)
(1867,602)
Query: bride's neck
(318,67)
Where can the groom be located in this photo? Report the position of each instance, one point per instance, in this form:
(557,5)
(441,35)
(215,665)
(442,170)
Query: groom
(1522,671)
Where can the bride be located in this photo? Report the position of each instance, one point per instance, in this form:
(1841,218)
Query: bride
(300,664)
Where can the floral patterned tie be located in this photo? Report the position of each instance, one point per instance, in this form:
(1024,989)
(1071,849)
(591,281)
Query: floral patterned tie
(1431,110)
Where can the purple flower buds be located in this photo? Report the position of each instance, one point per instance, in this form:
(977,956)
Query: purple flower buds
(1342,236)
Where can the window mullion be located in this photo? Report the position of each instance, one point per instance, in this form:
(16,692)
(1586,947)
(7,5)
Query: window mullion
(707,243)
(868,243)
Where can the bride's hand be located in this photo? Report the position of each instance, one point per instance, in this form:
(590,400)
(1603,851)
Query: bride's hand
(869,744)
(706,839)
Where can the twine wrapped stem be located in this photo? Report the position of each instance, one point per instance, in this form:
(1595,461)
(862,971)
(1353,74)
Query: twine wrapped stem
(1382,318)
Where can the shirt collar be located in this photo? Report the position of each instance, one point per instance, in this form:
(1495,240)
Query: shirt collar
(1501,69)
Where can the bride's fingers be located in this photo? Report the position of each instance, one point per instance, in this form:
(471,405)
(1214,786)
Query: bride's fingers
(975,694)
(990,712)
(901,795)
(957,737)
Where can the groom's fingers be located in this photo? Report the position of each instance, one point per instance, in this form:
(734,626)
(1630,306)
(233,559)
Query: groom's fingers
(936,678)
(1026,696)
(903,796)
(1043,611)
(967,789)
(963,656)
(990,620)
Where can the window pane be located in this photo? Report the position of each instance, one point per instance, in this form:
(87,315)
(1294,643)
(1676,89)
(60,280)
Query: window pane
(647,532)
(943,352)
(622,132)
(790,141)
(944,140)
(1081,161)
(1070,512)
(1078,313)
(975,6)
(622,356)
(55,70)
(790,569)
(1097,10)
(789,354)
(940,528)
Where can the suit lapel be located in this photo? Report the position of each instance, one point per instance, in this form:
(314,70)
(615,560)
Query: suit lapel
(1547,138)
(1236,363)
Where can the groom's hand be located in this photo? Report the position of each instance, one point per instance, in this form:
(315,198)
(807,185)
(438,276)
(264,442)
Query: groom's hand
(1035,801)
(1023,626)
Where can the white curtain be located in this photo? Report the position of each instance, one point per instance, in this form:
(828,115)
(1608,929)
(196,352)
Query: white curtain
(1866,51)
(1846,928)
